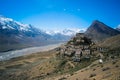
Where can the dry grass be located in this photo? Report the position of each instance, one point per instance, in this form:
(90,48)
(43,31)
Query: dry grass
(28,67)
(107,72)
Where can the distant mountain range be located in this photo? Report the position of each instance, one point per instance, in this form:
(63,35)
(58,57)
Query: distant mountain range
(67,32)
(15,35)
(118,28)
(99,31)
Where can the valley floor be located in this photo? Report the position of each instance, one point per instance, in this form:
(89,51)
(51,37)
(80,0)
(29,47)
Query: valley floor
(16,53)
(46,66)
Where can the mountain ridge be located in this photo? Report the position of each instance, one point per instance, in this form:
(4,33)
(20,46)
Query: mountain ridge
(99,31)
(14,34)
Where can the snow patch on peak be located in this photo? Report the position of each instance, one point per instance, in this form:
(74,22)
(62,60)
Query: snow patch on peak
(2,18)
(23,26)
(52,32)
(4,27)
(8,23)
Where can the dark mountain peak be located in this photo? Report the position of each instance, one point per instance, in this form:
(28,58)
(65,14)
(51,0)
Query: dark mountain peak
(97,26)
(96,21)
(99,31)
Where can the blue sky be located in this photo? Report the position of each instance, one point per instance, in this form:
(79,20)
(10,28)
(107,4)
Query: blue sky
(60,14)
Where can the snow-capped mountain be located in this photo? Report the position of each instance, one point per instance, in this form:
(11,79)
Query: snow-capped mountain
(65,32)
(16,35)
(10,24)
